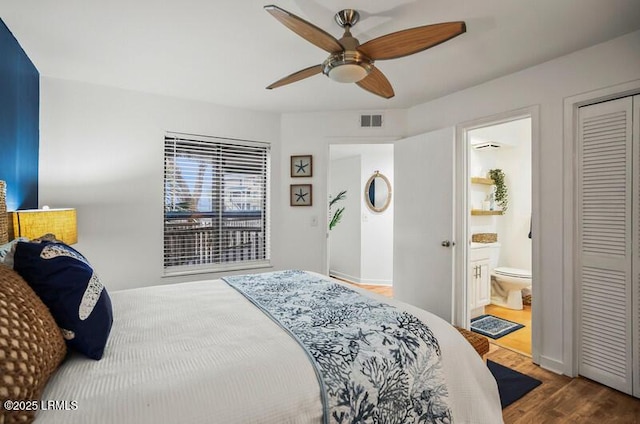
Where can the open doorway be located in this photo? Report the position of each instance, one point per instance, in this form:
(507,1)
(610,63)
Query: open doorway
(360,243)
(499,255)
(465,227)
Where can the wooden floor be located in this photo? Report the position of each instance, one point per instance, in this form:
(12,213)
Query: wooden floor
(383,290)
(559,399)
(519,340)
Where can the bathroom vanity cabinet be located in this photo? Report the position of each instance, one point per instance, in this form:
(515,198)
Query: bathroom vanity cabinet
(479,277)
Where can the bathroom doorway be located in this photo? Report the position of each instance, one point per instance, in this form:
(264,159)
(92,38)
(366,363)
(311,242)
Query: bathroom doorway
(499,248)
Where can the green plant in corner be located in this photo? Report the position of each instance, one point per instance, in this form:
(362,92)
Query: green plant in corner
(337,215)
(501,194)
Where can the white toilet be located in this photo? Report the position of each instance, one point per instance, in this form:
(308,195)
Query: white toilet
(507,285)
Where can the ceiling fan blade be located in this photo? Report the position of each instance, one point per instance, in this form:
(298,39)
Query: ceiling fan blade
(297,76)
(410,41)
(306,30)
(377,83)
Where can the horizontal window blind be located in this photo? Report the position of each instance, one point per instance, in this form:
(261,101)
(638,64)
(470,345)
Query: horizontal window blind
(216,214)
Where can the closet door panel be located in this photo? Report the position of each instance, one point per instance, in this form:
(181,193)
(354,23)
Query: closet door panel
(604,205)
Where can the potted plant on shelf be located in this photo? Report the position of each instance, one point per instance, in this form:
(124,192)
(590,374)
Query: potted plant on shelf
(501,195)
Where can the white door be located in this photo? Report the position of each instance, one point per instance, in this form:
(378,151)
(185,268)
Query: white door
(604,206)
(423,221)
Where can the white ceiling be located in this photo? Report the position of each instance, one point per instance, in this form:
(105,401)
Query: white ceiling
(227,51)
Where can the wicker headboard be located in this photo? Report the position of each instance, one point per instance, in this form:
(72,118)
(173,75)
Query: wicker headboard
(4,221)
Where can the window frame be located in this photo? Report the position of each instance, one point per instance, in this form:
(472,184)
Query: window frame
(216,162)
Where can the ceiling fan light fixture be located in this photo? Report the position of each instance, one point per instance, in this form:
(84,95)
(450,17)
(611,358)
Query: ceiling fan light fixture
(348,73)
(349,61)
(347,66)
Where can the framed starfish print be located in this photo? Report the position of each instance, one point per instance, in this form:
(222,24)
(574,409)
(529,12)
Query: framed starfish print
(301,166)
(300,195)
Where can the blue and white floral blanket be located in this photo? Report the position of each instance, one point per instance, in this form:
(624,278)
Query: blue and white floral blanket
(375,363)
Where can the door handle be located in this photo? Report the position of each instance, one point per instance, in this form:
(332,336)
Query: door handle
(447,243)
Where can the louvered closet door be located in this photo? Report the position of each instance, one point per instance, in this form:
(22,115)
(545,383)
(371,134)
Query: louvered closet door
(604,243)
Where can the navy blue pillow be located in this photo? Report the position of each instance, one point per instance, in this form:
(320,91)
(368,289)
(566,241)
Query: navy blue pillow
(66,283)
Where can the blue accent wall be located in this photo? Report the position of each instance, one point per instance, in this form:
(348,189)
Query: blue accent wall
(19,123)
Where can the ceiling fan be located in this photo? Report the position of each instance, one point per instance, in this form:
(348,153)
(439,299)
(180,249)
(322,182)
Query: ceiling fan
(349,61)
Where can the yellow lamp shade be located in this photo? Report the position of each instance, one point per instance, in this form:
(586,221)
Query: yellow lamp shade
(34,223)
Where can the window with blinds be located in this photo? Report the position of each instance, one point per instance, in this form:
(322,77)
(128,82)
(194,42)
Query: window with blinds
(216,206)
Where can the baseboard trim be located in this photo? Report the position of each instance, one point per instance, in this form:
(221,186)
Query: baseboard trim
(358,280)
(343,276)
(381,283)
(552,365)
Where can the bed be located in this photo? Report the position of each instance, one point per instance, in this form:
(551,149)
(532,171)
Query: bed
(280,347)
(204,352)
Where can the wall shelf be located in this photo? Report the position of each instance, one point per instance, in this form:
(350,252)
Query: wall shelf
(482,212)
(480,180)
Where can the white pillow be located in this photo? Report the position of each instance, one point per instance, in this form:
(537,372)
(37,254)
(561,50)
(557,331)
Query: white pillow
(7,250)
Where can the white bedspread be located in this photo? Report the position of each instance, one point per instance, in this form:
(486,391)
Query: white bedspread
(201,353)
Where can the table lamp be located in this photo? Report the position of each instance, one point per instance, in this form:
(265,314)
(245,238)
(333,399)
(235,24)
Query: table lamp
(34,223)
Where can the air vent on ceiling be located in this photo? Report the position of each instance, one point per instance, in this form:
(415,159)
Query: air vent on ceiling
(370,121)
(486,145)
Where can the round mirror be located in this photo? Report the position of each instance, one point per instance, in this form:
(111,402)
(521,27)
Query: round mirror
(377,192)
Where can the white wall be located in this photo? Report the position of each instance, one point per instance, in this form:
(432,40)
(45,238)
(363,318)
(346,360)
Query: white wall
(546,85)
(101,151)
(377,227)
(312,133)
(344,239)
(363,244)
(513,226)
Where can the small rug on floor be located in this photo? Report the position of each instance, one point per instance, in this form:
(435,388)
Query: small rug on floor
(512,385)
(494,327)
